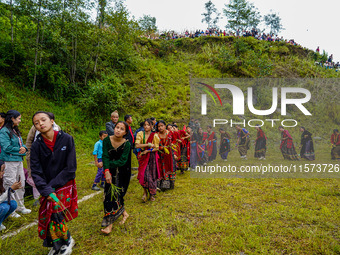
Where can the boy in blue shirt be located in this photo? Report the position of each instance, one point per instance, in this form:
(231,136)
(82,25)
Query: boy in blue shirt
(97,153)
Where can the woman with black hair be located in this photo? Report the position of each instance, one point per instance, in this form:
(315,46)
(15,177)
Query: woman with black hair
(53,168)
(225,144)
(116,154)
(167,163)
(335,141)
(148,170)
(260,144)
(2,122)
(201,147)
(307,147)
(287,145)
(212,144)
(243,141)
(13,151)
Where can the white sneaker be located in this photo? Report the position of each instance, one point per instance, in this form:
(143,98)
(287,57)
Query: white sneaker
(24,211)
(15,215)
(52,252)
(226,160)
(2,227)
(67,249)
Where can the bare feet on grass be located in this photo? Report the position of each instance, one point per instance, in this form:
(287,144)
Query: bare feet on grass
(125,216)
(145,196)
(107,230)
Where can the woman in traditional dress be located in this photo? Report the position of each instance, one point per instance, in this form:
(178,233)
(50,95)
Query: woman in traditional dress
(307,147)
(184,144)
(148,170)
(201,146)
(193,150)
(176,146)
(287,146)
(243,141)
(116,153)
(212,144)
(335,141)
(166,161)
(225,144)
(260,144)
(53,169)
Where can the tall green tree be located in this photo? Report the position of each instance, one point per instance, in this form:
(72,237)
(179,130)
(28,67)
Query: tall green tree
(147,24)
(273,21)
(211,16)
(241,15)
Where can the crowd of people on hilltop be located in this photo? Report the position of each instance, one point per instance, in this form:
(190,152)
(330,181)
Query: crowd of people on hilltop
(329,63)
(162,150)
(219,33)
(242,33)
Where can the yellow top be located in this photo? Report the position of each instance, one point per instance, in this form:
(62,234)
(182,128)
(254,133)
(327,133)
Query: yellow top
(155,140)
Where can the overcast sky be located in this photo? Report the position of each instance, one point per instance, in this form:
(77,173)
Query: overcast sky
(310,23)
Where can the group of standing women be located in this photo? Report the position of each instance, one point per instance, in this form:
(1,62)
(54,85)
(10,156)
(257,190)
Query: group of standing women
(161,149)
(204,147)
(160,154)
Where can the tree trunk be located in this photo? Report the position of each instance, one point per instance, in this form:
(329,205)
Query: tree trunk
(36,48)
(42,39)
(12,32)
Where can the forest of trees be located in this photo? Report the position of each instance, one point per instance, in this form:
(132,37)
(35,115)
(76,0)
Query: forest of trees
(58,47)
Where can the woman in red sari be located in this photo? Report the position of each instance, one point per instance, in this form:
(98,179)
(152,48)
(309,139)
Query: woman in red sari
(212,146)
(260,144)
(167,164)
(287,146)
(148,171)
(184,144)
(201,147)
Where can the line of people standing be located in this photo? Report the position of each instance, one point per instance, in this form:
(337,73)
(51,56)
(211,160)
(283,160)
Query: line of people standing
(204,146)
(160,149)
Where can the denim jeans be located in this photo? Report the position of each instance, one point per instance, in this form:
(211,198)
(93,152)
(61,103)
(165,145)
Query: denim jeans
(6,209)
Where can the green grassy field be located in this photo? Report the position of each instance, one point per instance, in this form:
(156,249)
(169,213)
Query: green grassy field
(203,216)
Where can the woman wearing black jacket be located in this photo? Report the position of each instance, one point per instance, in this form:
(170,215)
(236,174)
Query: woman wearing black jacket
(53,167)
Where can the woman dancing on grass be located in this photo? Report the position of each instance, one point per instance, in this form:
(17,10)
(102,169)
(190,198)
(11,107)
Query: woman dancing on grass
(243,141)
(116,152)
(201,147)
(225,144)
(307,146)
(287,146)
(148,171)
(260,144)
